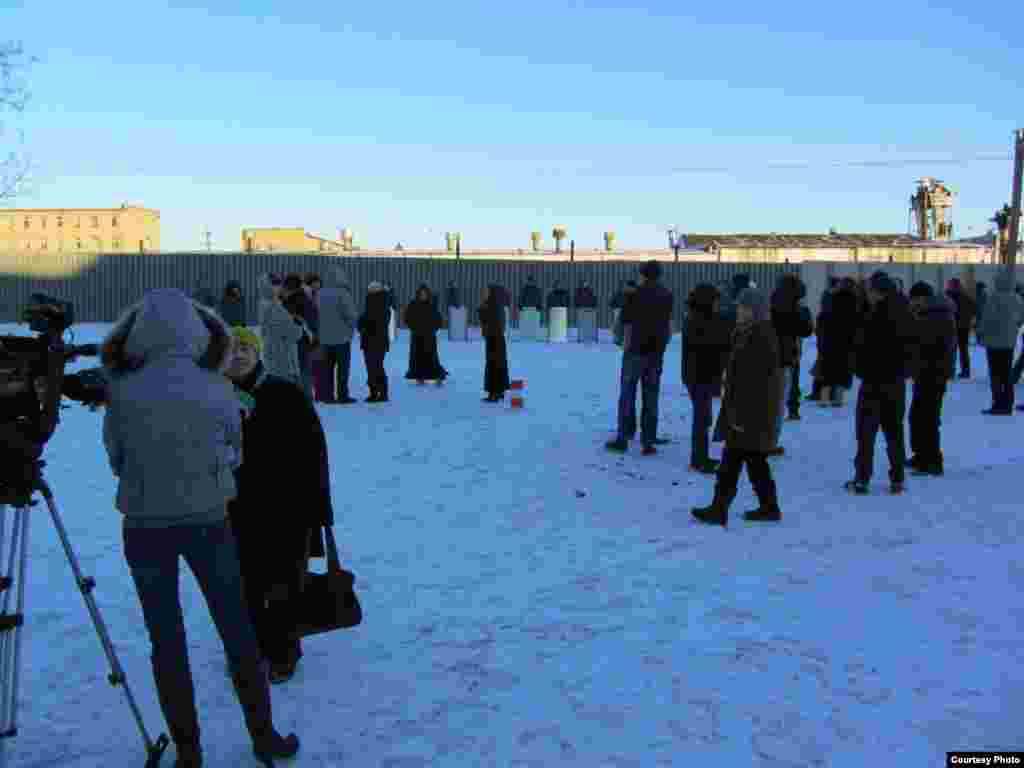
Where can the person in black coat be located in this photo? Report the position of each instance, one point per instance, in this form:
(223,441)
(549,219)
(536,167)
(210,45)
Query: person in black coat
(492,328)
(793,323)
(530,296)
(232,305)
(966,309)
(705,353)
(585,298)
(825,302)
(648,314)
(840,321)
(933,364)
(423,320)
(283,500)
(559,297)
(375,341)
(881,360)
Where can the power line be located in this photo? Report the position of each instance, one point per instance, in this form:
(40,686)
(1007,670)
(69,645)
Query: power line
(746,167)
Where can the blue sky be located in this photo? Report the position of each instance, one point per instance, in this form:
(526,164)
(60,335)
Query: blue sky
(403,120)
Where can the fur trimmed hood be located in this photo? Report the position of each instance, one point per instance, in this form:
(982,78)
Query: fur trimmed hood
(166,323)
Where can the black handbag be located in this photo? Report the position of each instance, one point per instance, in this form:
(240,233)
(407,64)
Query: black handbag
(328,600)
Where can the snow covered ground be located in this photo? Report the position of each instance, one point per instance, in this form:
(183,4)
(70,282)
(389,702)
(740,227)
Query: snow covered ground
(532,600)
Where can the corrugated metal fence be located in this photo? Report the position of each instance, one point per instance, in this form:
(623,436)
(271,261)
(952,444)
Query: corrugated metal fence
(102,286)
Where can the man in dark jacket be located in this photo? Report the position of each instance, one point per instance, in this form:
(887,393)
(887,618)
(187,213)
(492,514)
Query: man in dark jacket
(585,298)
(881,353)
(749,407)
(965,313)
(793,323)
(232,306)
(559,297)
(274,549)
(375,341)
(530,296)
(933,364)
(705,347)
(648,313)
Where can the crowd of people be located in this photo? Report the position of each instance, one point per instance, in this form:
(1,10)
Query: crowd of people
(198,405)
(744,346)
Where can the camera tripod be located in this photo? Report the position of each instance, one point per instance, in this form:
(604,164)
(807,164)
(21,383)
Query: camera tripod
(18,496)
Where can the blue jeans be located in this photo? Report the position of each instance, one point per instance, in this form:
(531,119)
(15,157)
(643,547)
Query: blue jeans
(209,551)
(637,369)
(701,396)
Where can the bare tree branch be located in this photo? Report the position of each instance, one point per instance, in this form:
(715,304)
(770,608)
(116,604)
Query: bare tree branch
(15,167)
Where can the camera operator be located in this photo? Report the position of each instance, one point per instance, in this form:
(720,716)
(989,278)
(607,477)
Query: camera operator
(172,431)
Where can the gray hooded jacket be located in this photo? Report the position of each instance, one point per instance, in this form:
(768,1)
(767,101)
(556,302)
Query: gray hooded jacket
(280,335)
(337,311)
(1004,314)
(172,428)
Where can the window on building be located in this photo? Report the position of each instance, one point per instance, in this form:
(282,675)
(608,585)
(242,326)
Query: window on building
(27,222)
(44,246)
(114,221)
(78,245)
(95,221)
(60,222)
(78,222)
(43,222)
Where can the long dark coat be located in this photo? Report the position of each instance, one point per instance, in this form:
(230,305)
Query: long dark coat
(705,348)
(424,321)
(492,326)
(373,323)
(839,325)
(753,390)
(283,483)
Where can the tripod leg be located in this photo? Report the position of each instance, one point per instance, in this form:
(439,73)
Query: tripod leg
(10,626)
(117,677)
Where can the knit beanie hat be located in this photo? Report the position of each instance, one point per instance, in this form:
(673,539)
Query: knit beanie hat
(921,290)
(248,337)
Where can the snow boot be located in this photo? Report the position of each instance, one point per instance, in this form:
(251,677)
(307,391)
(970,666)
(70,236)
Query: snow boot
(914,462)
(793,415)
(253,689)
(777,451)
(617,445)
(648,450)
(373,397)
(896,487)
(717,513)
(766,513)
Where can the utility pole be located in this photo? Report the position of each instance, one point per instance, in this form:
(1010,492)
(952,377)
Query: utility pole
(1018,168)
(208,239)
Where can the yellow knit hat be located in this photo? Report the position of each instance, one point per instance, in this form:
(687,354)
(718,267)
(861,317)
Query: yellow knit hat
(248,336)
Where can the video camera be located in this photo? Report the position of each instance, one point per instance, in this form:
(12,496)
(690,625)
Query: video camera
(32,378)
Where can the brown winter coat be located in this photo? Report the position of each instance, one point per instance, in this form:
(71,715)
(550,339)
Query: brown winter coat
(754,389)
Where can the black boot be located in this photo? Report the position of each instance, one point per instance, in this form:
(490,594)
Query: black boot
(253,689)
(382,393)
(766,513)
(717,513)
